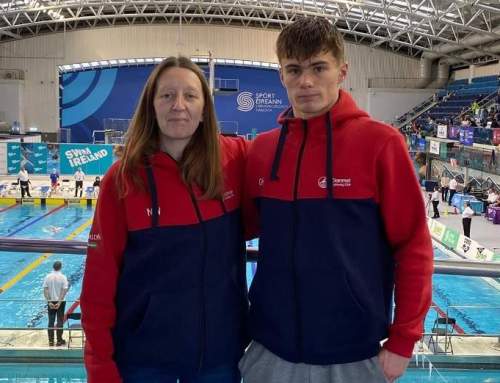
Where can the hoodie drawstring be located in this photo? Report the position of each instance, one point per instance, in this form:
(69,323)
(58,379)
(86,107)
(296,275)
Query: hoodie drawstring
(153,192)
(329,156)
(279,152)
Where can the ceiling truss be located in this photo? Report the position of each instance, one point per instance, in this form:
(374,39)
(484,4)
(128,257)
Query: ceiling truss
(410,27)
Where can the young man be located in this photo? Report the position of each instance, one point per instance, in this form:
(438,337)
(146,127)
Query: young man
(55,287)
(342,222)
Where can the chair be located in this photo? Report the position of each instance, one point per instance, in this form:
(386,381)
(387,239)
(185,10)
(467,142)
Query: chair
(89,192)
(442,330)
(75,330)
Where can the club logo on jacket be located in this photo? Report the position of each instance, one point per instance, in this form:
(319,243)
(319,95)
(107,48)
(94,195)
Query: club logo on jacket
(337,182)
(149,211)
(93,239)
(261,181)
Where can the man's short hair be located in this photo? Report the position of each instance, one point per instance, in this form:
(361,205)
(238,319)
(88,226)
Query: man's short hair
(307,37)
(57,265)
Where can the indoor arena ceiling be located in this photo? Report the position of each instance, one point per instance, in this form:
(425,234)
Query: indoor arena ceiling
(461,31)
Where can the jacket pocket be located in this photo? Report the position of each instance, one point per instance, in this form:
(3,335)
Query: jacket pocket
(169,333)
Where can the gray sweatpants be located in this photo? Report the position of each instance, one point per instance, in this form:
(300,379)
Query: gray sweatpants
(259,365)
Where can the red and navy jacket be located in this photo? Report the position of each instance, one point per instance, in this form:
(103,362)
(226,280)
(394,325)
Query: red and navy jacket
(164,283)
(341,222)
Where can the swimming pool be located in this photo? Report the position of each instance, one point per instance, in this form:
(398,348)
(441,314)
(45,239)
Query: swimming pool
(452,293)
(75,373)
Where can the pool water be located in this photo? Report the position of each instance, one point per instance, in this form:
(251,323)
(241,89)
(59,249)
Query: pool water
(482,314)
(75,373)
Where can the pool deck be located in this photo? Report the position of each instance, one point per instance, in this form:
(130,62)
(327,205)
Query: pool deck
(482,230)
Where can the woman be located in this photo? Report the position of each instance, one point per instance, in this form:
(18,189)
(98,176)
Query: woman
(164,292)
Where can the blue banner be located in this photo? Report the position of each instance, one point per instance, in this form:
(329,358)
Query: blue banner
(249,99)
(246,99)
(13,157)
(467,136)
(53,158)
(93,159)
(34,157)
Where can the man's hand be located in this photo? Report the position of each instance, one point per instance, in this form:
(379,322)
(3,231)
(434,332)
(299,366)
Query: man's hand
(393,365)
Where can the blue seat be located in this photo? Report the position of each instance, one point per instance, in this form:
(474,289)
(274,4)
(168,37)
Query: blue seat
(44,190)
(89,191)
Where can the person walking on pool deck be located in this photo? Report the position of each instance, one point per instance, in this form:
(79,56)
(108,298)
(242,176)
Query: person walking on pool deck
(328,194)
(467,215)
(24,182)
(435,202)
(55,287)
(164,291)
(79,177)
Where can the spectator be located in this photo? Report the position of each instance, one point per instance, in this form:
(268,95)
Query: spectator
(490,200)
(475,108)
(55,287)
(24,182)
(79,177)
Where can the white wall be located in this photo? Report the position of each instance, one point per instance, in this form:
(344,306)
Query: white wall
(387,104)
(479,71)
(11,100)
(39,57)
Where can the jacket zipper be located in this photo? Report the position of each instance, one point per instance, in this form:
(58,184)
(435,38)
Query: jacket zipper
(203,323)
(298,324)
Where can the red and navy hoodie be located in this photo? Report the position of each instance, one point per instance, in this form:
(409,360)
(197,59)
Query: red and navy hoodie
(164,283)
(341,222)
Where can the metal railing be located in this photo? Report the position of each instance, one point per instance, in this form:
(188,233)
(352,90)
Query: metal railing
(416,112)
(451,267)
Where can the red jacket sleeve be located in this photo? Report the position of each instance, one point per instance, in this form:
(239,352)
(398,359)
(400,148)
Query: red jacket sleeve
(403,213)
(107,242)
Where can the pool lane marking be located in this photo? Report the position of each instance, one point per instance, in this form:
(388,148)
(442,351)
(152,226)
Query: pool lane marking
(8,207)
(40,259)
(35,220)
(442,314)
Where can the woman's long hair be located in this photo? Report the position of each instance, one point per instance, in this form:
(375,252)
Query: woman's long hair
(200,161)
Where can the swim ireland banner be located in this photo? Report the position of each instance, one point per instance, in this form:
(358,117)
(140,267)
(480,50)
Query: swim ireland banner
(93,159)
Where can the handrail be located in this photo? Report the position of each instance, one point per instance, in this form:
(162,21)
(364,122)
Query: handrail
(416,111)
(449,267)
(42,246)
(458,173)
